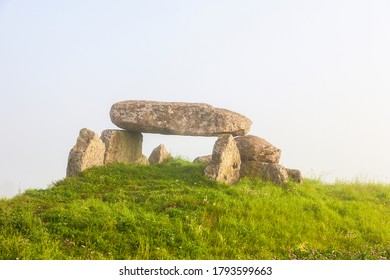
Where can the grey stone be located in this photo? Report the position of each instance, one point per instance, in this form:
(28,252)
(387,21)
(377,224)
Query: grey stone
(122,146)
(159,155)
(225,162)
(275,173)
(178,118)
(88,152)
(143,160)
(294,175)
(203,159)
(253,148)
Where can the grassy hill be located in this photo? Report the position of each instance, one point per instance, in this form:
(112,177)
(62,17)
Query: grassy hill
(171,211)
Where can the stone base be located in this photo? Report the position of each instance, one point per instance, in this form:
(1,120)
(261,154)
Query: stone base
(88,152)
(159,155)
(122,146)
(225,162)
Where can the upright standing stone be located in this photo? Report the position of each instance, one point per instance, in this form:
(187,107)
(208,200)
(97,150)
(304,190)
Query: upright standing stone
(253,148)
(88,152)
(177,118)
(225,162)
(122,146)
(159,155)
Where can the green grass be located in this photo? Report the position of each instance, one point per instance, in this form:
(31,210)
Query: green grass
(171,211)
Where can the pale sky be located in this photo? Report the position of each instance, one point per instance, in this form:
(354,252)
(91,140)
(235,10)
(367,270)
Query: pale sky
(313,76)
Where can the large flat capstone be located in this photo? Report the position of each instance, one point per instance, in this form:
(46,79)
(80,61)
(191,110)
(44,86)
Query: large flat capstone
(178,118)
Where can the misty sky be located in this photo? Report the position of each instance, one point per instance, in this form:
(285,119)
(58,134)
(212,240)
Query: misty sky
(313,76)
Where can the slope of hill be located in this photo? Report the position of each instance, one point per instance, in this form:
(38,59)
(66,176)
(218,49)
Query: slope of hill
(171,211)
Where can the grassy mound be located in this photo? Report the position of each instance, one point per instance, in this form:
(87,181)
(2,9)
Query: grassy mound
(171,211)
